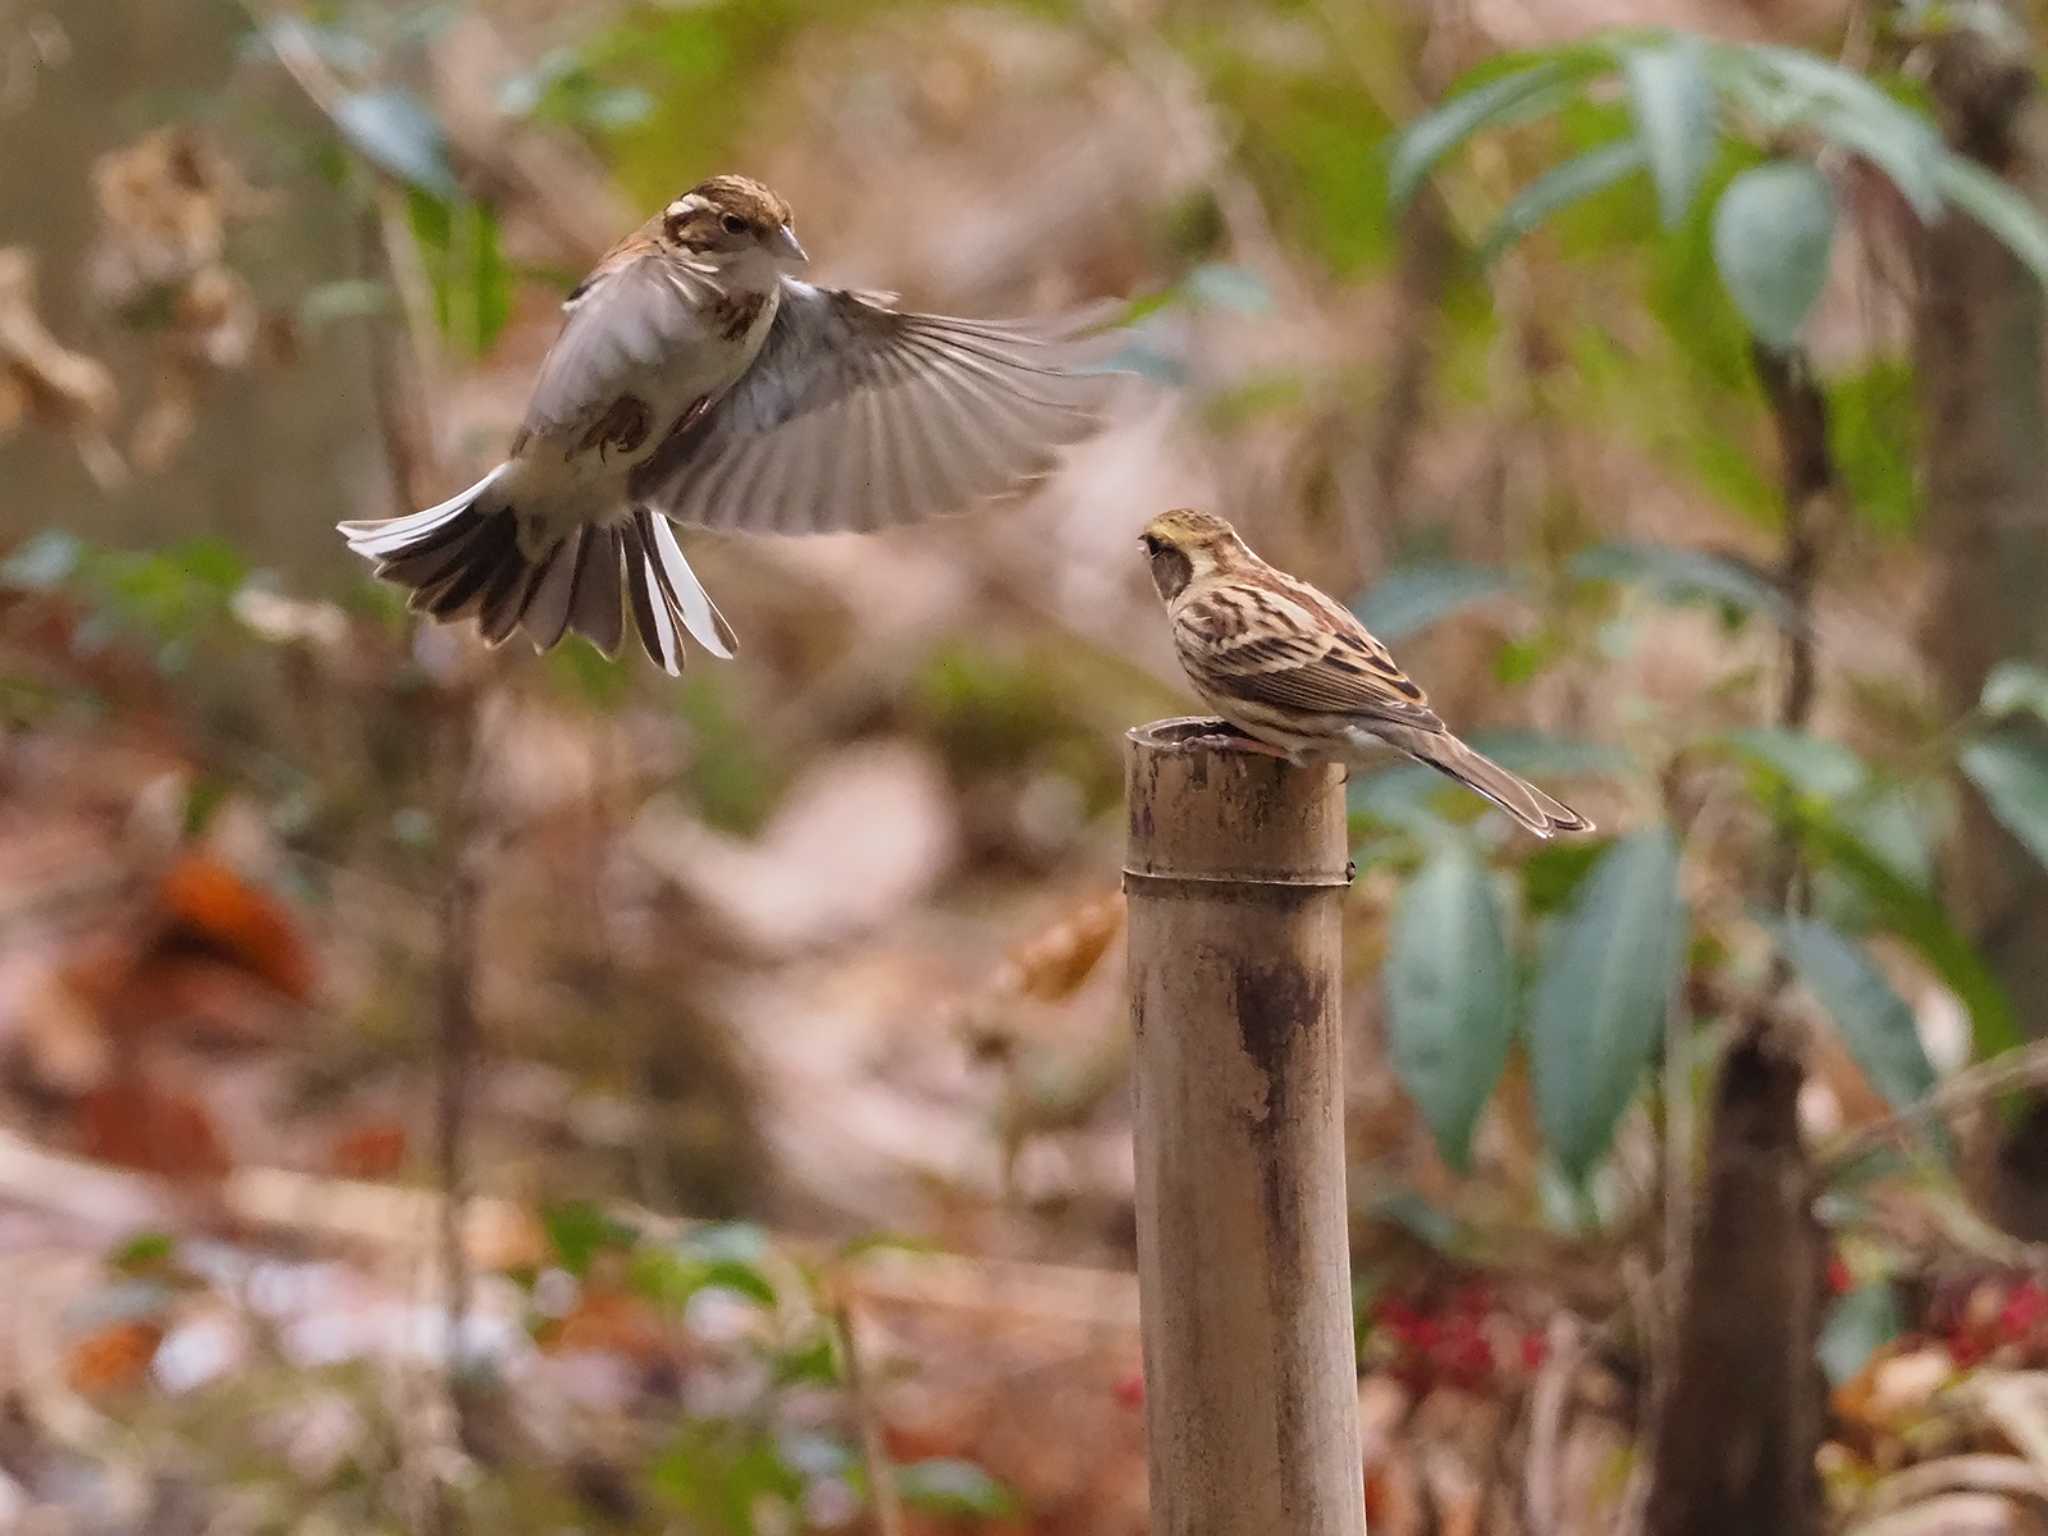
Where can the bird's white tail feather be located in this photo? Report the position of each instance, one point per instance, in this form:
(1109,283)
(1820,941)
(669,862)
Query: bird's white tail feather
(464,558)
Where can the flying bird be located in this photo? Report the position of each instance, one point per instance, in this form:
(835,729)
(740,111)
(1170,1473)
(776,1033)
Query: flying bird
(1297,672)
(695,381)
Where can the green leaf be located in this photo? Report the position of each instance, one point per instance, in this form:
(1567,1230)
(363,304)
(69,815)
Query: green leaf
(1683,575)
(395,132)
(1442,129)
(1409,598)
(2015,687)
(146,1251)
(1812,765)
(1558,188)
(1672,101)
(1602,993)
(1998,206)
(1553,873)
(1875,1022)
(1858,1326)
(577,1231)
(1773,230)
(813,1362)
(1449,981)
(1874,432)
(944,1485)
(2011,771)
(460,250)
(742,1279)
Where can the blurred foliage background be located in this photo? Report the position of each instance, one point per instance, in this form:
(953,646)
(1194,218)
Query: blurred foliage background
(734,1069)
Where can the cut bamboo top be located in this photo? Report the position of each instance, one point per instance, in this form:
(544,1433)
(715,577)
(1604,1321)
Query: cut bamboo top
(1243,807)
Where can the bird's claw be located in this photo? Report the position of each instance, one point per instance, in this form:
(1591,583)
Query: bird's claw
(1229,738)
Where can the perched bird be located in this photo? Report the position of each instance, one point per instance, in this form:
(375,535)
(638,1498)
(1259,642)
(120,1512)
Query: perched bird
(1299,674)
(695,380)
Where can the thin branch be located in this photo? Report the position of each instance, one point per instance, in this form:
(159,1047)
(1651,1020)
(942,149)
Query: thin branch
(2023,1067)
(1799,411)
(888,1499)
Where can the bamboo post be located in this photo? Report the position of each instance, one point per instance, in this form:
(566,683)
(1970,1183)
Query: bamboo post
(1235,874)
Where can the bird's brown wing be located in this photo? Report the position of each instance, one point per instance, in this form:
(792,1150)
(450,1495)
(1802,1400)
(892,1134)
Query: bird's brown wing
(855,416)
(626,319)
(1271,642)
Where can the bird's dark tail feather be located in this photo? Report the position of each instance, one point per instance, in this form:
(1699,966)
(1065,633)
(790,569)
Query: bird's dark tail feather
(463,559)
(1540,813)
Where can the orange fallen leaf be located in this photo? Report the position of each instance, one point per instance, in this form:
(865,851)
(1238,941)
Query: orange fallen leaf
(113,1359)
(209,903)
(611,1323)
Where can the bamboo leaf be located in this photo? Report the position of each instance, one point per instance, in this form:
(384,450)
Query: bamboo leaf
(2012,773)
(1449,983)
(1409,598)
(1598,1010)
(1875,1022)
(1672,100)
(1773,231)
(1812,765)
(1557,189)
(1684,575)
(1424,142)
(396,133)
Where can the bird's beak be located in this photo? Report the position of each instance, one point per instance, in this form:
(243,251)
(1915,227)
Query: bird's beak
(788,248)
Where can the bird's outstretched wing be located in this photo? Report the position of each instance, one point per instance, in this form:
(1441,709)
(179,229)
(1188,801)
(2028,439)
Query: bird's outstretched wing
(857,416)
(1267,641)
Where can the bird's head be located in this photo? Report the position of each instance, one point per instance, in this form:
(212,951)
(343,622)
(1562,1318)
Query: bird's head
(730,218)
(1184,545)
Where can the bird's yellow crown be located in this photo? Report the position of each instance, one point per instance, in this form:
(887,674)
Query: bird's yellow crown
(1185,528)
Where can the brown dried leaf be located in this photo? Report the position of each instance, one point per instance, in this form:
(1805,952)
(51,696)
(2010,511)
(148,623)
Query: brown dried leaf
(59,1044)
(1046,969)
(374,1150)
(154,1128)
(167,421)
(46,380)
(164,203)
(1051,965)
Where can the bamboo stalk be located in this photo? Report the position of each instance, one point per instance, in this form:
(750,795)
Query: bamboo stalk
(1235,874)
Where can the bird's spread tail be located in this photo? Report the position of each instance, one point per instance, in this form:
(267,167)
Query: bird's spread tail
(464,558)
(1530,806)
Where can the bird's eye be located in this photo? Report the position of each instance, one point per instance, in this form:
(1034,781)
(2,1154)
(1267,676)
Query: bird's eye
(1151,544)
(734,224)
